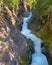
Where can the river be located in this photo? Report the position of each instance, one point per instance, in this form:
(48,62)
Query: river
(38,58)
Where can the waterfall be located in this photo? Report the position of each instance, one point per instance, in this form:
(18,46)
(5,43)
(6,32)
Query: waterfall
(38,58)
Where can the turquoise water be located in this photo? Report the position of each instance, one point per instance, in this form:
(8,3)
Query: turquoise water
(37,58)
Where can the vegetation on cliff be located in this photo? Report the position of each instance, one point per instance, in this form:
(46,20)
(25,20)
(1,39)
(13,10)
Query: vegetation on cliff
(11,12)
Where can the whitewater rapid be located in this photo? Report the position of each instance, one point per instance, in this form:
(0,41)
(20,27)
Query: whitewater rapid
(38,58)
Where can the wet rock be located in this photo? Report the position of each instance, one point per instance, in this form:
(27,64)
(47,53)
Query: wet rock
(19,19)
(26,14)
(20,43)
(19,22)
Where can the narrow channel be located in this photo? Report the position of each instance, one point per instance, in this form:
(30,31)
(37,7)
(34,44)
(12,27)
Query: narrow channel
(38,58)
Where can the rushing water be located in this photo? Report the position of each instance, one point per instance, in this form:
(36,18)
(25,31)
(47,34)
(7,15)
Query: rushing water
(37,58)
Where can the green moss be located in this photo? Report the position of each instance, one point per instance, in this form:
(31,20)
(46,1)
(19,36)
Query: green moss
(25,59)
(10,33)
(37,33)
(47,37)
(44,35)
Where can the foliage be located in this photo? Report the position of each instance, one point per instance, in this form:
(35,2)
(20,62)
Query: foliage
(10,3)
(42,6)
(0,2)
(30,3)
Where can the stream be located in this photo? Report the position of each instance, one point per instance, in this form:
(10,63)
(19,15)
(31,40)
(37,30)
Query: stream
(38,58)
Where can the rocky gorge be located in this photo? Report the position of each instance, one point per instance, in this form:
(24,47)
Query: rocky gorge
(17,38)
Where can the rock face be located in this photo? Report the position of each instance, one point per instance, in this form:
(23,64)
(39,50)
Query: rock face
(21,6)
(12,43)
(7,55)
(20,41)
(26,14)
(19,19)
